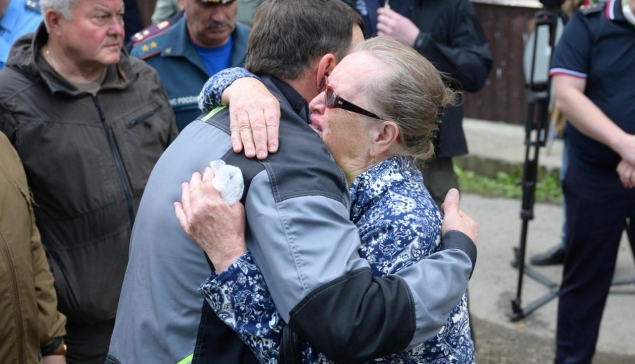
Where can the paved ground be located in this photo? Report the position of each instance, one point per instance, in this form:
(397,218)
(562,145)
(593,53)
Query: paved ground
(531,340)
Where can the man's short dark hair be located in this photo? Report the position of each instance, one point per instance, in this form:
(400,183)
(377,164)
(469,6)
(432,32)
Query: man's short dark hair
(290,34)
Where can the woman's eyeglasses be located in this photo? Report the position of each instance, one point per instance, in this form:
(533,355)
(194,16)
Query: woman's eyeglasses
(333,101)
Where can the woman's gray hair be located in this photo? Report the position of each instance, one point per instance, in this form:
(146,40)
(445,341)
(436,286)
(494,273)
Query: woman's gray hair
(64,7)
(410,91)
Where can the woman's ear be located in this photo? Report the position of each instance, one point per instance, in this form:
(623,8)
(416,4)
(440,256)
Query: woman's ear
(384,137)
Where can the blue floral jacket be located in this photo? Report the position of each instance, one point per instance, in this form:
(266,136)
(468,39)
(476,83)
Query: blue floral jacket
(399,224)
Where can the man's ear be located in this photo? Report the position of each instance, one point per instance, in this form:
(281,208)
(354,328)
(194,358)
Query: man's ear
(325,67)
(181,4)
(52,19)
(384,137)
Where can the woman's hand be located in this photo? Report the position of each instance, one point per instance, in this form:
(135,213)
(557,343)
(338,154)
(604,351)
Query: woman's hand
(395,25)
(455,219)
(219,229)
(626,171)
(255,117)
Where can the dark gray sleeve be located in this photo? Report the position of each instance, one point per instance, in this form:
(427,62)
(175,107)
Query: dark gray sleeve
(455,239)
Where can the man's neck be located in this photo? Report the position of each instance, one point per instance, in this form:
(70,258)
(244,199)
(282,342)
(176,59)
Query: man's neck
(69,68)
(305,86)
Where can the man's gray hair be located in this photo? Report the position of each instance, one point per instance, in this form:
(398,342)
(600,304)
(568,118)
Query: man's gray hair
(64,7)
(411,92)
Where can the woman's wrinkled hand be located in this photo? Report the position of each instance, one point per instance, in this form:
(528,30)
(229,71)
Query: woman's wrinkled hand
(218,228)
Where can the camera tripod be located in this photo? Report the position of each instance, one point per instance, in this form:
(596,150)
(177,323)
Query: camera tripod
(536,134)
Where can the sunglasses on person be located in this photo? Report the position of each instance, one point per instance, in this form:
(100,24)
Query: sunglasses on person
(333,101)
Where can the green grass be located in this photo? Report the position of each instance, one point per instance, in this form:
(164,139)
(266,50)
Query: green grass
(507,184)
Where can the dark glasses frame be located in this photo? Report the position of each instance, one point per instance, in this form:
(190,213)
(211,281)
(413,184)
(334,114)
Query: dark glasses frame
(334,101)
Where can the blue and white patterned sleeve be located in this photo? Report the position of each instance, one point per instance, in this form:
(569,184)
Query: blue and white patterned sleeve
(210,96)
(240,298)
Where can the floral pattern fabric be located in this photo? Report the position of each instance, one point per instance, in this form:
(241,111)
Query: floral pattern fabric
(399,224)
(210,95)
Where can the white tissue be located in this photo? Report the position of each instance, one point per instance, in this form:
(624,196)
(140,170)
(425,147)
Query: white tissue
(228,180)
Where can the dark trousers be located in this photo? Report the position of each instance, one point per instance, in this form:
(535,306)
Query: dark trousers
(438,177)
(88,344)
(597,210)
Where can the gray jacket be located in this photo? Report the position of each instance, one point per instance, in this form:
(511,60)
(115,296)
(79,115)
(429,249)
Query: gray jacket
(300,235)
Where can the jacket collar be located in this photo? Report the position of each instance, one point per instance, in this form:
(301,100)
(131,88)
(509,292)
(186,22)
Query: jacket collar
(119,75)
(241,37)
(614,11)
(297,102)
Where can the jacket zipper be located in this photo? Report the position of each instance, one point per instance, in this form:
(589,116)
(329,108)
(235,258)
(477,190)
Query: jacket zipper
(118,164)
(141,118)
(16,302)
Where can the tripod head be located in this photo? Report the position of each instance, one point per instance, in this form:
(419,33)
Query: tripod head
(549,23)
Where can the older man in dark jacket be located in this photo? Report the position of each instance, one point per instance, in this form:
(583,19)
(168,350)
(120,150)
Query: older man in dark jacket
(89,123)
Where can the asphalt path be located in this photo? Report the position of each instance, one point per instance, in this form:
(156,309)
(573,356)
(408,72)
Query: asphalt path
(495,281)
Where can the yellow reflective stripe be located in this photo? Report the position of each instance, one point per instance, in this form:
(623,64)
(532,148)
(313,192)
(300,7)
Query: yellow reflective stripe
(208,116)
(187,360)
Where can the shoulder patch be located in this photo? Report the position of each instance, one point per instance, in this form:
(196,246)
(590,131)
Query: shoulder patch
(592,8)
(33,5)
(149,48)
(151,31)
(151,45)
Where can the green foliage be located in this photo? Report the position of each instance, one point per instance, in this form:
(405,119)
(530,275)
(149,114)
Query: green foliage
(507,184)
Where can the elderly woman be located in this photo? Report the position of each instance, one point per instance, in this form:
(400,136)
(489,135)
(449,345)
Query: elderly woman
(379,110)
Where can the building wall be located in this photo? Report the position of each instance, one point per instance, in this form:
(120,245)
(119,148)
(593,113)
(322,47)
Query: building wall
(507,25)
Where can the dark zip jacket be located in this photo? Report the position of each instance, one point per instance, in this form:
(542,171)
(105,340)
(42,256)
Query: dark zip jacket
(87,160)
(453,40)
(451,37)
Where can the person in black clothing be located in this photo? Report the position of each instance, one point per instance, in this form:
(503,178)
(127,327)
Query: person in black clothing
(448,34)
(599,182)
(131,19)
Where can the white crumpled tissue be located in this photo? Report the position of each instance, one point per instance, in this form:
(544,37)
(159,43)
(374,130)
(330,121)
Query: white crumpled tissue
(228,180)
